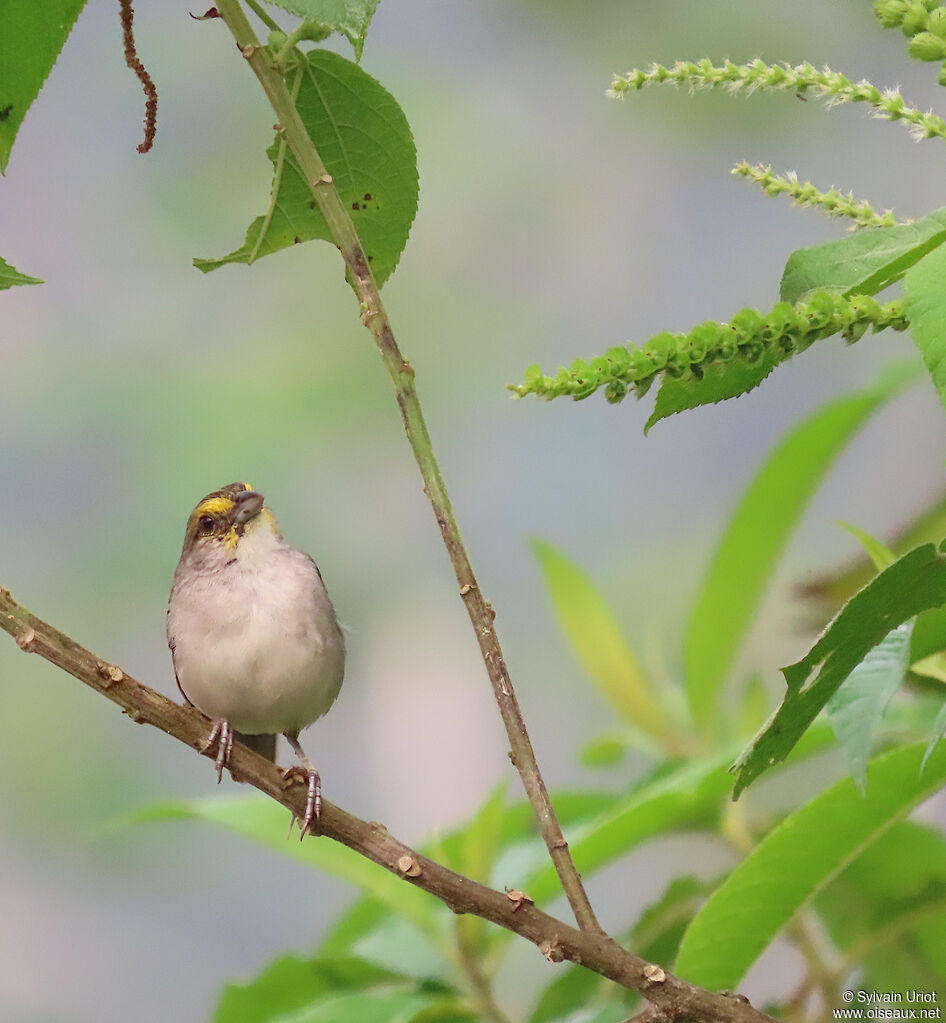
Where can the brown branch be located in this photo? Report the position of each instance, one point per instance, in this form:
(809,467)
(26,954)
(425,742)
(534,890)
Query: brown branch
(402,377)
(675,998)
(127,14)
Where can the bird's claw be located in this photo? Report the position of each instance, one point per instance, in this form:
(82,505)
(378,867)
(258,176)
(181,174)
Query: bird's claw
(221,735)
(311,821)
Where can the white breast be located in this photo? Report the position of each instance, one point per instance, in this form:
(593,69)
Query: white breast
(255,639)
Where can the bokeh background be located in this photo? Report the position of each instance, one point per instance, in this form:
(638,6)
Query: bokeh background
(553,223)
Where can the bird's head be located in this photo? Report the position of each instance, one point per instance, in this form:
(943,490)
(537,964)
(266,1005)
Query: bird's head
(221,519)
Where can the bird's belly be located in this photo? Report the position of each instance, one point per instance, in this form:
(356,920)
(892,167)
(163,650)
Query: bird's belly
(265,666)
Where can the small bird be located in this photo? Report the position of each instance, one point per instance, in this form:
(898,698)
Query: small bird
(253,635)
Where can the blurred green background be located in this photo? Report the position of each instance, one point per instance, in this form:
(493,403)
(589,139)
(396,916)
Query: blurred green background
(553,223)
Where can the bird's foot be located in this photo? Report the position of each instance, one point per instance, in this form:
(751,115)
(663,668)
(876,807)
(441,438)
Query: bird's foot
(310,822)
(221,735)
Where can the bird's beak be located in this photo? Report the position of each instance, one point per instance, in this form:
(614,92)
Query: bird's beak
(248,505)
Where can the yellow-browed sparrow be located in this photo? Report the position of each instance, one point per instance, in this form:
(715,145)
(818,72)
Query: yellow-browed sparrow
(252,631)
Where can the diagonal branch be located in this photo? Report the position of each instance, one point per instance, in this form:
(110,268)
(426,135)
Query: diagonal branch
(401,373)
(675,999)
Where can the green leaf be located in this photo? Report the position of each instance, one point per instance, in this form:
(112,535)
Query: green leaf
(881,908)
(478,846)
(378,1007)
(366,144)
(857,708)
(581,995)
(879,553)
(939,728)
(9,277)
(660,929)
(719,381)
(835,586)
(929,634)
(758,532)
(604,751)
(924,294)
(264,821)
(292,983)
(688,796)
(914,583)
(350,17)
(31,36)
(363,916)
(863,263)
(795,861)
(596,640)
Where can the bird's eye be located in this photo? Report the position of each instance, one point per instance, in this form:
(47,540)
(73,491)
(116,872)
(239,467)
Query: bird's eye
(205,525)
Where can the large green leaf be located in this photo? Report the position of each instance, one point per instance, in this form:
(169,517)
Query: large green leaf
(911,585)
(10,276)
(795,861)
(350,17)
(758,532)
(365,142)
(924,293)
(32,32)
(595,637)
(262,820)
(292,983)
(688,796)
(880,910)
(863,263)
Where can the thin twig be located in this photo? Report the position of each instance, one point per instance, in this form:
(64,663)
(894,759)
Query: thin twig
(127,14)
(554,938)
(402,377)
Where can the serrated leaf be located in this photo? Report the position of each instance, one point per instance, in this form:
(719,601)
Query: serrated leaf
(9,277)
(857,708)
(595,637)
(350,17)
(758,532)
(365,142)
(264,821)
(720,381)
(31,36)
(924,295)
(292,983)
(863,263)
(912,584)
(795,861)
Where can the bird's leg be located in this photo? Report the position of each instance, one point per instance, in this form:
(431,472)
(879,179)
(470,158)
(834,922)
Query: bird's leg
(306,770)
(222,735)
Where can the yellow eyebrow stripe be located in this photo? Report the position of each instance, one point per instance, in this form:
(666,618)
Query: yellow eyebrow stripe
(214,506)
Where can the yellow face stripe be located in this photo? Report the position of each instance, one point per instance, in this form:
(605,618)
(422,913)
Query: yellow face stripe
(214,506)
